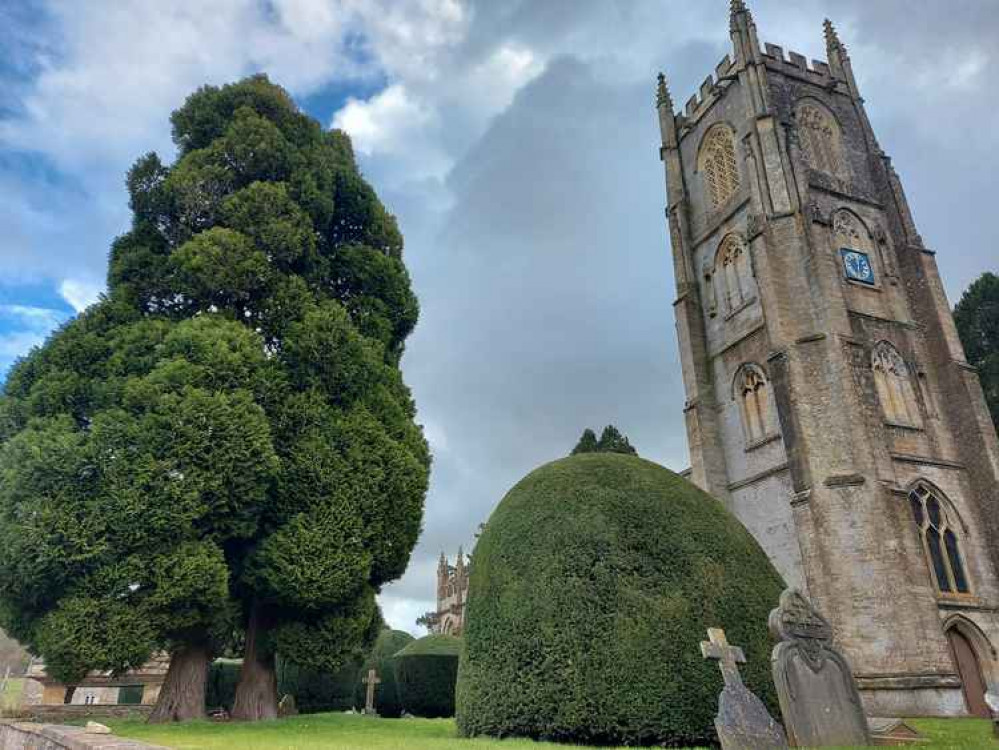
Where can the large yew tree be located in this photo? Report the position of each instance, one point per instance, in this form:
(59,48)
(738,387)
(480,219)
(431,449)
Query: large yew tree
(977,319)
(223,444)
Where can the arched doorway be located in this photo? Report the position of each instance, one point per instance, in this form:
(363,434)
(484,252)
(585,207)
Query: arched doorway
(970,669)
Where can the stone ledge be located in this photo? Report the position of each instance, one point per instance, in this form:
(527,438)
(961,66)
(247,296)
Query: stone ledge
(908,681)
(15,735)
(58,713)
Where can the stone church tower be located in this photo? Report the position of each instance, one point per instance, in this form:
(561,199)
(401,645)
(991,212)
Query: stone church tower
(452,593)
(829,403)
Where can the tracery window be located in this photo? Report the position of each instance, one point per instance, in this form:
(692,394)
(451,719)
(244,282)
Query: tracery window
(717,163)
(818,134)
(752,392)
(939,532)
(894,386)
(735,273)
(849,231)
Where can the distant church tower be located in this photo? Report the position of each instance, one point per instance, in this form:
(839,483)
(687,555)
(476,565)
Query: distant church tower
(829,403)
(452,593)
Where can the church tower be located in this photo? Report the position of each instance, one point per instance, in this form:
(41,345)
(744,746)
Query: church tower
(829,403)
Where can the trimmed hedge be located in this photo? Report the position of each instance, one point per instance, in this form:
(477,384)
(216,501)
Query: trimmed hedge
(426,672)
(220,689)
(387,703)
(594,582)
(316,691)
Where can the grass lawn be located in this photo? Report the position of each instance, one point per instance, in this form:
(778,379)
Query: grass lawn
(11,696)
(350,732)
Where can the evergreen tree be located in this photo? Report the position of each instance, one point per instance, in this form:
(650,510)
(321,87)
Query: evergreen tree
(977,319)
(224,443)
(587,443)
(612,441)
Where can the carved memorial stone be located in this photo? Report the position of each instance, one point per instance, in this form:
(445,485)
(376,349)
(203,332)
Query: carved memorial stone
(742,722)
(817,693)
(369,700)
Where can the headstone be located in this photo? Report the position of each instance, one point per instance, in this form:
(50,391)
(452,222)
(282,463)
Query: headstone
(286,706)
(992,701)
(893,732)
(817,693)
(743,722)
(369,701)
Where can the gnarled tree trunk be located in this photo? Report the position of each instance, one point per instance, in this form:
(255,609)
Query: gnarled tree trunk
(67,697)
(256,691)
(182,696)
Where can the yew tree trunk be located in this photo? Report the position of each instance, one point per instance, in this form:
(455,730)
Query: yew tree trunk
(182,696)
(256,691)
(67,697)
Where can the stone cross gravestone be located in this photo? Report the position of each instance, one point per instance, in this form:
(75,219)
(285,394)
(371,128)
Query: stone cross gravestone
(743,722)
(817,693)
(369,701)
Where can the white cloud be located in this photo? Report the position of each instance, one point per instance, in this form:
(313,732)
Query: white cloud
(400,612)
(387,122)
(80,293)
(24,327)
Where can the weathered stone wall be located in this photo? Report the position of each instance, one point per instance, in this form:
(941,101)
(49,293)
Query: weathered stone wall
(28,736)
(73,712)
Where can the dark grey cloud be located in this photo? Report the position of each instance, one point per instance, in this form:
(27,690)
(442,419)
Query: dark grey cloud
(547,285)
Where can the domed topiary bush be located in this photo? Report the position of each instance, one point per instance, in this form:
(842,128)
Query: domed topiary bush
(380,659)
(594,582)
(426,672)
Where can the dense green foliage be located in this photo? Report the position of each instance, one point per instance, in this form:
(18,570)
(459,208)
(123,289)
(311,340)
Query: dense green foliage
(595,580)
(220,690)
(227,432)
(317,690)
(427,671)
(977,319)
(611,441)
(381,659)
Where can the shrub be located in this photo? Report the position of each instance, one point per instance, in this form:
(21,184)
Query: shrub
(220,691)
(426,672)
(380,659)
(594,582)
(315,690)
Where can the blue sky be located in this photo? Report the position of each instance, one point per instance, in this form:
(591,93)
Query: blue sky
(517,144)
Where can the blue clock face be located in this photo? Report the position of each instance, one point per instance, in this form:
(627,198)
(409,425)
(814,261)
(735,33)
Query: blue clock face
(857,266)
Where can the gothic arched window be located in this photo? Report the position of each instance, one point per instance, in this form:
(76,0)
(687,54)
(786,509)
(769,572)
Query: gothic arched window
(734,272)
(894,386)
(819,136)
(939,532)
(752,393)
(716,161)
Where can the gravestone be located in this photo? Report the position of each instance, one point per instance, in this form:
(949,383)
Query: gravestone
(287,706)
(369,701)
(743,722)
(817,693)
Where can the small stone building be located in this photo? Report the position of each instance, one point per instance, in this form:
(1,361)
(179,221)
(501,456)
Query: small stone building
(452,593)
(137,687)
(829,402)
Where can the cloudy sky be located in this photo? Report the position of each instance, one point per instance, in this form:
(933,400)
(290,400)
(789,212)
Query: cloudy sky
(516,142)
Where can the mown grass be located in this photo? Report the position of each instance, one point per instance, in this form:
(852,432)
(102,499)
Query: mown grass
(315,731)
(11,695)
(355,732)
